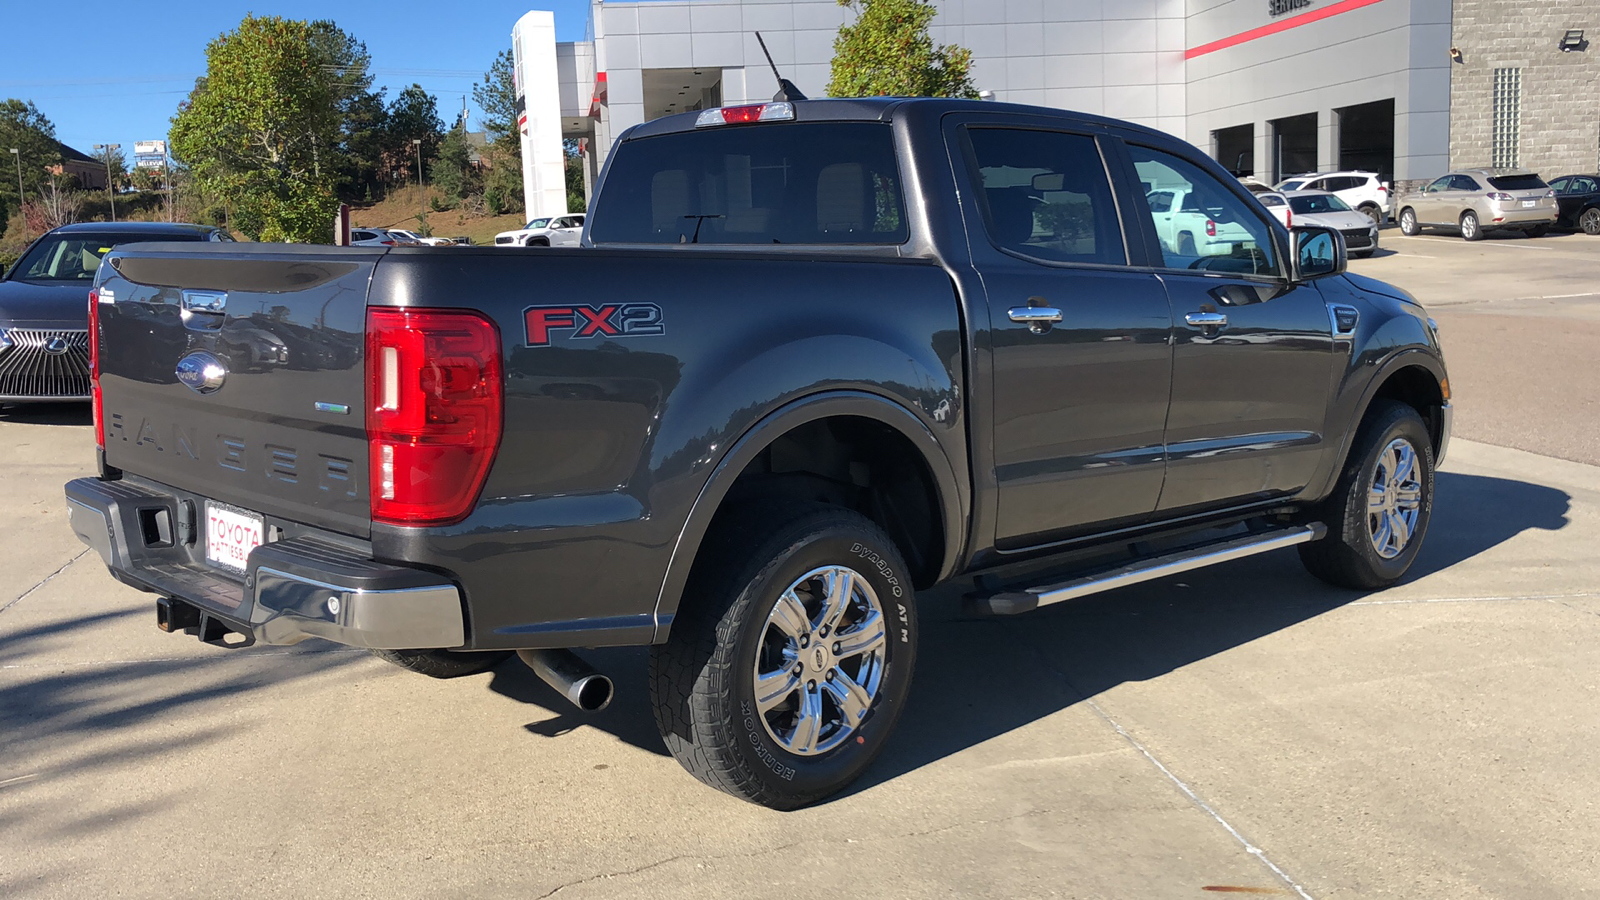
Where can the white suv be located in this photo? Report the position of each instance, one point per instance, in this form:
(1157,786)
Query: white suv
(553,231)
(1361,191)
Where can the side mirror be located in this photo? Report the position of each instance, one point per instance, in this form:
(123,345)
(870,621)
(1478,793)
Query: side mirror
(1318,251)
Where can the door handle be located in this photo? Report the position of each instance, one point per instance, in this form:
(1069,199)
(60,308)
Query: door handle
(1207,319)
(1034,314)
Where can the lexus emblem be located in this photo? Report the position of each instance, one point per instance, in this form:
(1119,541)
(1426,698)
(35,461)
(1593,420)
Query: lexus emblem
(56,345)
(202,372)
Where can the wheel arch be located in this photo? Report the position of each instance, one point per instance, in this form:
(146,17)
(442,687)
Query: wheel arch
(867,413)
(1414,377)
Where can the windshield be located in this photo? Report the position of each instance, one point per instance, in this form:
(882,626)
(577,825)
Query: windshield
(75,257)
(1292,184)
(780,183)
(535,223)
(1517,182)
(1311,204)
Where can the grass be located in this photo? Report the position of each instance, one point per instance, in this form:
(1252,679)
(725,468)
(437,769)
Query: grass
(400,208)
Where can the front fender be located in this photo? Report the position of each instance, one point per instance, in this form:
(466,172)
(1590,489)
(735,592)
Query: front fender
(953,498)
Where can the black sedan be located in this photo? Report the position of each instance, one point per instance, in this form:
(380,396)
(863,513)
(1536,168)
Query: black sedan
(1578,201)
(44,312)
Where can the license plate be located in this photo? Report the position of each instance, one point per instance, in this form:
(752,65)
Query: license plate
(231,534)
(1528,204)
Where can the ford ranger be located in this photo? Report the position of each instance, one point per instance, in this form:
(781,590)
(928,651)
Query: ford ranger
(812,358)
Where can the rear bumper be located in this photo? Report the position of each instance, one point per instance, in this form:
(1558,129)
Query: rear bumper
(1515,216)
(291,589)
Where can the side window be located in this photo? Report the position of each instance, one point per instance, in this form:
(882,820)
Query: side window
(1160,201)
(360,235)
(1583,186)
(1343,183)
(1046,197)
(1438,184)
(1560,185)
(1213,229)
(1321,184)
(1464,183)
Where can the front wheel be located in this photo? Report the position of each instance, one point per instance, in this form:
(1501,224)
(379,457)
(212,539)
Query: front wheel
(1379,511)
(791,659)
(1469,226)
(1374,213)
(1590,221)
(1408,222)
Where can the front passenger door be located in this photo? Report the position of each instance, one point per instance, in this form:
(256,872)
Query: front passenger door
(1252,360)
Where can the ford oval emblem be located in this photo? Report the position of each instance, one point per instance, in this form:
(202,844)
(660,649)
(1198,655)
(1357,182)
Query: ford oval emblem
(202,372)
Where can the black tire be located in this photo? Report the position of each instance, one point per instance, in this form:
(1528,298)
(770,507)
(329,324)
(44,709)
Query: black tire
(1373,212)
(1538,231)
(1408,222)
(444,663)
(1186,246)
(703,679)
(1348,557)
(1589,221)
(537,242)
(1471,228)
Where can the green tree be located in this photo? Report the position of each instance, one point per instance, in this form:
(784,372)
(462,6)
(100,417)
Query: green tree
(261,130)
(22,126)
(577,198)
(414,116)
(453,173)
(497,97)
(358,109)
(888,51)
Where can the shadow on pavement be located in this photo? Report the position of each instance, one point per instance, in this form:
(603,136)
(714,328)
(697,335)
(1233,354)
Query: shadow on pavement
(47,414)
(977,679)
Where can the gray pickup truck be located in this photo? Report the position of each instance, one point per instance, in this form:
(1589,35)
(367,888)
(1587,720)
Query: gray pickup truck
(812,358)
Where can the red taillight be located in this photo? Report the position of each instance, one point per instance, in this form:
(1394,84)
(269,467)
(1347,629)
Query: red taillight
(1500,197)
(94,369)
(1211,228)
(734,115)
(434,409)
(1288,217)
(387,243)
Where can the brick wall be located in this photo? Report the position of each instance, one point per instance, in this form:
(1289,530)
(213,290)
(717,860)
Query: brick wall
(1560,123)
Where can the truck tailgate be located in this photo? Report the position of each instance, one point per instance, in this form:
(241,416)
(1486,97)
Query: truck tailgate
(265,411)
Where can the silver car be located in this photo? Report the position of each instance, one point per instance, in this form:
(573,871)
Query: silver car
(1322,208)
(1478,201)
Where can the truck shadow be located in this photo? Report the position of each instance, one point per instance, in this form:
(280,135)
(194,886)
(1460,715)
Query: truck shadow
(48,414)
(977,679)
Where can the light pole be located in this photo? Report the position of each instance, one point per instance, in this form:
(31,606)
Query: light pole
(111,192)
(422,194)
(18,154)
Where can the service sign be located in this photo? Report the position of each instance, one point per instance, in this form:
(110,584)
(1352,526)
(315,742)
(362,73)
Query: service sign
(149,148)
(1277,8)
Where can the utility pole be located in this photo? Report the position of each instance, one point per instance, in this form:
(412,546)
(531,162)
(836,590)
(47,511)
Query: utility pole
(111,191)
(18,154)
(422,194)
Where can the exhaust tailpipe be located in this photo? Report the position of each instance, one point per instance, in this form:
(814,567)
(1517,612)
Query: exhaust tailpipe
(573,678)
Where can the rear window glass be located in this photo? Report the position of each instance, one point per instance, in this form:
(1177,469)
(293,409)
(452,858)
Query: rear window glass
(784,183)
(1517,182)
(76,256)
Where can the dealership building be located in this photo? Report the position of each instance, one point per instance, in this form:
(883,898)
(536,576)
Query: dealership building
(1406,88)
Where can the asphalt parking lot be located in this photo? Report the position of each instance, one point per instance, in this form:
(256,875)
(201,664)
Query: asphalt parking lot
(1243,729)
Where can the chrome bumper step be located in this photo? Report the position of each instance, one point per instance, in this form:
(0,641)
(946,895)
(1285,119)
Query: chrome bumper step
(1010,603)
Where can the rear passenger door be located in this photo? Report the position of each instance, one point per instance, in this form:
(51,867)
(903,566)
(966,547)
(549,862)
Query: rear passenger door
(1253,355)
(1078,339)
(565,231)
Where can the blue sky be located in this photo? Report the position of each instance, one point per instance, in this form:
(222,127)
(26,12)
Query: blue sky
(115,72)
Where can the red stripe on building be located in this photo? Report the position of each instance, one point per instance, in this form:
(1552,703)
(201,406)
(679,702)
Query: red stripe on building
(1316,15)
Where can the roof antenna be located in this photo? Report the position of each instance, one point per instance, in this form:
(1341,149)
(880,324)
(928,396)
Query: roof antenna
(786,89)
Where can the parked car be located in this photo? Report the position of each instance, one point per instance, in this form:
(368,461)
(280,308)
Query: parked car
(1277,204)
(376,237)
(415,238)
(44,344)
(1578,202)
(1364,192)
(809,369)
(1191,223)
(1328,210)
(1475,202)
(555,231)
(1254,186)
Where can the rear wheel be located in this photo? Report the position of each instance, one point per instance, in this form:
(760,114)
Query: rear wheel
(443,663)
(791,659)
(1469,226)
(1374,213)
(1539,231)
(1186,245)
(1378,514)
(1590,221)
(1408,222)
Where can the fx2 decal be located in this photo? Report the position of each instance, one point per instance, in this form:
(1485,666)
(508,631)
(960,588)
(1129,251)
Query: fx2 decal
(610,320)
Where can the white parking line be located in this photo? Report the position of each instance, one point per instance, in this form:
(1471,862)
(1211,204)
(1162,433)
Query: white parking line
(1440,240)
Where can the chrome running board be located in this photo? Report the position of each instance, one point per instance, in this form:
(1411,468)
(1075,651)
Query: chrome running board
(1011,603)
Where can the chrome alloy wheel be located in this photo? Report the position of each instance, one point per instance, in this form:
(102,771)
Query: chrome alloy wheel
(821,660)
(1394,501)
